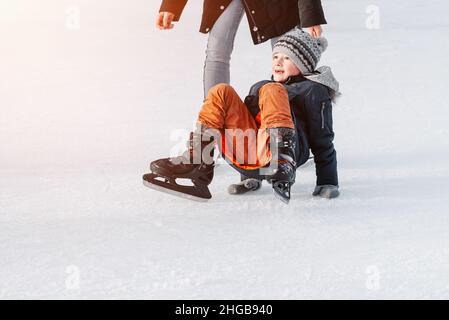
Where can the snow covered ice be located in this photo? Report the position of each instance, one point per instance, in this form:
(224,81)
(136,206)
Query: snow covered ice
(90,92)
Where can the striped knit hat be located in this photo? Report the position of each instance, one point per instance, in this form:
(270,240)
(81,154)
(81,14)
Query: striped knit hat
(303,50)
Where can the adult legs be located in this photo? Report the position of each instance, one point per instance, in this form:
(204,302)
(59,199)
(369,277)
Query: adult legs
(220,45)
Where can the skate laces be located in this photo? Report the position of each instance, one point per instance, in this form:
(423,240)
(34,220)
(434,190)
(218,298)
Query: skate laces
(195,153)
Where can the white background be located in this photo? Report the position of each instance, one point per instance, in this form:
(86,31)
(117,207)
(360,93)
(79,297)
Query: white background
(83,112)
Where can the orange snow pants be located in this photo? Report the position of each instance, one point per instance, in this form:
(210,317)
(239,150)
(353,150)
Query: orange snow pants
(244,139)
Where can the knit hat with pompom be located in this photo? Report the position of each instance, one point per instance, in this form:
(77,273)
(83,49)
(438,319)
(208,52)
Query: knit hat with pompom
(304,50)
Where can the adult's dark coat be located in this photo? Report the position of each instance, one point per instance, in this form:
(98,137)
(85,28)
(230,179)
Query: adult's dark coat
(267,18)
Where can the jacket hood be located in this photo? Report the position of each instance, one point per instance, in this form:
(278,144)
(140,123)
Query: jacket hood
(324,76)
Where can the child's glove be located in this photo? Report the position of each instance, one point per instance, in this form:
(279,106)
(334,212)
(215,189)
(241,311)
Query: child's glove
(326,191)
(244,186)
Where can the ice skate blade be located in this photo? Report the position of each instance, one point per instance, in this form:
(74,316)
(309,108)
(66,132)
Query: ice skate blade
(284,200)
(173,192)
(279,194)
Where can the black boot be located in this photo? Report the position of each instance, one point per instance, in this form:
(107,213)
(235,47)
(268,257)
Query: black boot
(196,165)
(284,162)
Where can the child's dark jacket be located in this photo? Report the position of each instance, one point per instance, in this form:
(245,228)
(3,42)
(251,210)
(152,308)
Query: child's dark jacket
(311,107)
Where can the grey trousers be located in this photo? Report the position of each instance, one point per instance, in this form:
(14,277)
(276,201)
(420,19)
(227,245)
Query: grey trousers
(220,45)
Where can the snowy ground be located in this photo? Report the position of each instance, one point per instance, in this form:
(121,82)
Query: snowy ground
(83,111)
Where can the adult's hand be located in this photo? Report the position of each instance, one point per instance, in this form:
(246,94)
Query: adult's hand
(164,20)
(315,31)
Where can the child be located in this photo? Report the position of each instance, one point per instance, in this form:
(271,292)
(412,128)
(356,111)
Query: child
(276,125)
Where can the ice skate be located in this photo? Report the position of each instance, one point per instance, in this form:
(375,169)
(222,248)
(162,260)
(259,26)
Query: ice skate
(285,174)
(195,166)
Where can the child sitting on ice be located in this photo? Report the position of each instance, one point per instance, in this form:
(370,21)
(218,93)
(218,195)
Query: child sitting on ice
(268,136)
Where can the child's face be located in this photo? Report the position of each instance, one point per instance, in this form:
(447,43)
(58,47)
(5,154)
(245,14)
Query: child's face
(282,67)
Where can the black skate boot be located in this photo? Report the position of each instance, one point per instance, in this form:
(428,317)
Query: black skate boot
(196,165)
(285,162)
